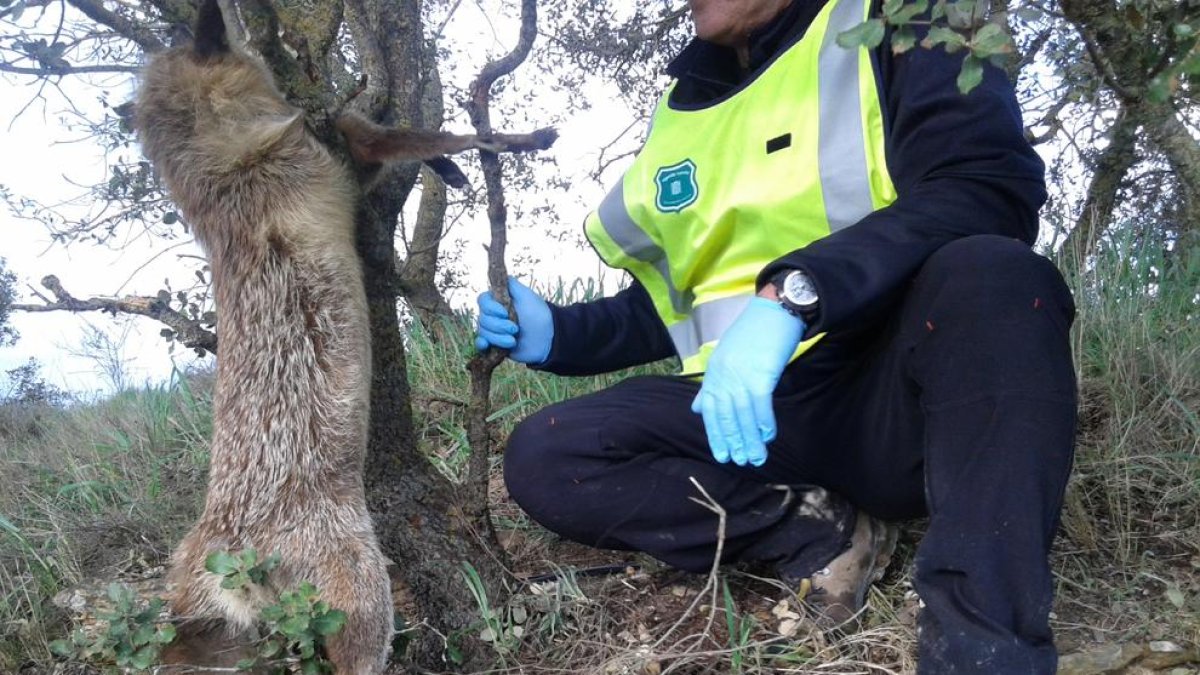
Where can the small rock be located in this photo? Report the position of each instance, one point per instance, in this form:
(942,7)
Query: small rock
(1164,646)
(1102,659)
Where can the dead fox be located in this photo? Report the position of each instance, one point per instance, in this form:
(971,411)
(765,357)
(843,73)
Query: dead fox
(275,213)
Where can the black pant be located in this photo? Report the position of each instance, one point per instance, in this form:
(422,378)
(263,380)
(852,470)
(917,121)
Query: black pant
(960,406)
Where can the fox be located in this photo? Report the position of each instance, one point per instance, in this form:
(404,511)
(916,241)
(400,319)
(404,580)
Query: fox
(273,210)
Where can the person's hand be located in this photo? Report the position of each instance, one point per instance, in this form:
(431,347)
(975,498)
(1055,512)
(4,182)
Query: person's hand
(735,399)
(529,340)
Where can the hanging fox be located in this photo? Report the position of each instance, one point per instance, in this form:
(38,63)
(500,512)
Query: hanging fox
(274,211)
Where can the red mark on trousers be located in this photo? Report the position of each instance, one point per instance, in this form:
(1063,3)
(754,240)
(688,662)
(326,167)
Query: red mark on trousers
(929,325)
(1037,302)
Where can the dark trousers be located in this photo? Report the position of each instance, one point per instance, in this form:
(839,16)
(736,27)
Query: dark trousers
(960,406)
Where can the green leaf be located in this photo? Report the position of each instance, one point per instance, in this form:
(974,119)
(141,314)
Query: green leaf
(329,623)
(268,649)
(249,558)
(890,7)
(1175,597)
(294,626)
(221,563)
(62,648)
(953,40)
(991,40)
(971,74)
(306,649)
(938,11)
(235,581)
(866,34)
(273,613)
(310,667)
(246,664)
(120,594)
(144,658)
(961,14)
(909,12)
(903,39)
(519,615)
(1183,30)
(165,634)
(143,635)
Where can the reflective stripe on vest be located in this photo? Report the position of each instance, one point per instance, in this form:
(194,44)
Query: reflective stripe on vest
(717,193)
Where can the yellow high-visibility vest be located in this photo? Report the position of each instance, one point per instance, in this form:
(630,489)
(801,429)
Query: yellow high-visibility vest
(718,192)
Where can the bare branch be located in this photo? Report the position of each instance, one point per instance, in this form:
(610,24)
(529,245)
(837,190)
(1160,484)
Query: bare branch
(188,331)
(66,70)
(481,366)
(139,34)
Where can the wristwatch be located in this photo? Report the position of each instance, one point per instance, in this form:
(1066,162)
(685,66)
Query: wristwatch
(797,293)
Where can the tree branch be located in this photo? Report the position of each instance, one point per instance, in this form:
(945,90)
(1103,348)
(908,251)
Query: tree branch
(66,70)
(188,331)
(481,366)
(139,34)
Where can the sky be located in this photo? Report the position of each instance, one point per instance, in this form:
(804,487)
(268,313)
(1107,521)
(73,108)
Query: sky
(45,161)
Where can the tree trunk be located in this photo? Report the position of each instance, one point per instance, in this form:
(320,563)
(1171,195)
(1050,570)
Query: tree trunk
(1182,150)
(418,276)
(1109,170)
(417,514)
(1120,55)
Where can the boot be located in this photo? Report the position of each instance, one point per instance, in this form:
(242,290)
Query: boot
(837,593)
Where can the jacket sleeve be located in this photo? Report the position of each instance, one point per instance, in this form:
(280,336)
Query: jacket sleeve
(961,167)
(608,334)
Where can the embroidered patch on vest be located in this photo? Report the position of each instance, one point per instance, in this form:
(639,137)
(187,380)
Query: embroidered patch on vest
(677,187)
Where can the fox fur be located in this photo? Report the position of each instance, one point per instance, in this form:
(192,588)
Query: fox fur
(274,209)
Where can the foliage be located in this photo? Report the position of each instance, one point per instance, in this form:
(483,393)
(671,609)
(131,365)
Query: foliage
(132,635)
(26,387)
(957,25)
(8,282)
(296,626)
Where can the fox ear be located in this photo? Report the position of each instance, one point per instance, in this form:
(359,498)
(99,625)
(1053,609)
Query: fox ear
(211,38)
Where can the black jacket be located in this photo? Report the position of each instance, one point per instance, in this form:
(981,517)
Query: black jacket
(960,164)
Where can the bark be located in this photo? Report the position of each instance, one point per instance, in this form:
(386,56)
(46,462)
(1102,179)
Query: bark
(1167,131)
(1110,169)
(482,365)
(418,277)
(188,331)
(1126,60)
(419,516)
(418,274)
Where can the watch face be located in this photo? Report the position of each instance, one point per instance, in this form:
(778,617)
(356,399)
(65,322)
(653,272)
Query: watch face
(799,289)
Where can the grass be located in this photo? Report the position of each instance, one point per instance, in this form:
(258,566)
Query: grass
(89,488)
(105,489)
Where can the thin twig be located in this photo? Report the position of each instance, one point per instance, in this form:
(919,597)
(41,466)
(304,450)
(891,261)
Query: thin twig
(710,584)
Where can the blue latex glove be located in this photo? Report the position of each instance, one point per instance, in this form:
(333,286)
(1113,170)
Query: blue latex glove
(735,399)
(527,343)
